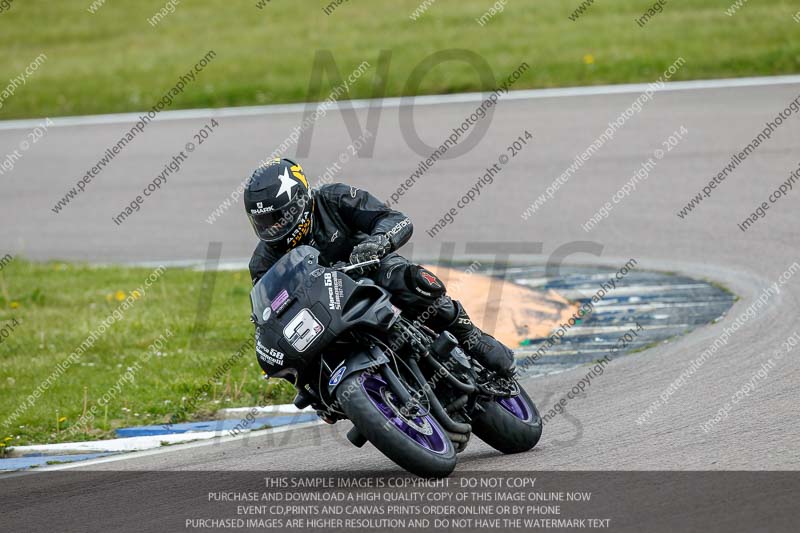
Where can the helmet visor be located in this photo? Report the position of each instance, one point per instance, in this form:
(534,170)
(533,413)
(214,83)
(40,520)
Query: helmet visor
(272,226)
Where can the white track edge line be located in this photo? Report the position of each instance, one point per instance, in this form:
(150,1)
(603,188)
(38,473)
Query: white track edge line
(125,456)
(394,102)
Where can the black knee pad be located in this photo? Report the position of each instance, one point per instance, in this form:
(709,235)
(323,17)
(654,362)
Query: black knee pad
(424,283)
(430,301)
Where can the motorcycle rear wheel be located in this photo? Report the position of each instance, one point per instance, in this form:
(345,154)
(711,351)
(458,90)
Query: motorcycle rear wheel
(509,425)
(418,444)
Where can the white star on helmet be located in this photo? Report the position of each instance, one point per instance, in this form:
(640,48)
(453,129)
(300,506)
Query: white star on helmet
(286,184)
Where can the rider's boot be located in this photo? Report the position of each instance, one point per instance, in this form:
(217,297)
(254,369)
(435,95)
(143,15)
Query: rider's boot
(488,351)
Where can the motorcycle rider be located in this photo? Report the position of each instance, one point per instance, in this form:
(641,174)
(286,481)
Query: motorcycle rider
(345,223)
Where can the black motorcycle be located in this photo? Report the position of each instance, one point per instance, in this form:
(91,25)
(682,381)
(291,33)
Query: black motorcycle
(411,392)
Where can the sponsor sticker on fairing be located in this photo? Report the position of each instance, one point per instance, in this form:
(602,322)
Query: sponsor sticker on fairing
(337,376)
(269,355)
(279,300)
(335,287)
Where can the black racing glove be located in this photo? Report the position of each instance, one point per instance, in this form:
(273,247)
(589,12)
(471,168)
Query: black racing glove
(373,247)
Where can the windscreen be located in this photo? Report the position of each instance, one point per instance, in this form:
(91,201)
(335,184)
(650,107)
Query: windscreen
(276,287)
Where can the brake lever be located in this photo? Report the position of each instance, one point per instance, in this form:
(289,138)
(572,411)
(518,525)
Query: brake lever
(353,266)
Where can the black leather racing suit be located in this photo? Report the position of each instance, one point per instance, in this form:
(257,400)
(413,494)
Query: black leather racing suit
(343,216)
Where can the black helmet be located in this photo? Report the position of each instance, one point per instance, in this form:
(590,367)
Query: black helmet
(279,204)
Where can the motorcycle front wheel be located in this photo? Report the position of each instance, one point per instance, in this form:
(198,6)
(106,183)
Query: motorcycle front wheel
(417,443)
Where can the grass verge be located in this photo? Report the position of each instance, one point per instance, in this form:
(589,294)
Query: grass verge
(57,306)
(114,60)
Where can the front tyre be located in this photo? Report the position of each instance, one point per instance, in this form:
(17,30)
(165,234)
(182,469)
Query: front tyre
(509,424)
(417,443)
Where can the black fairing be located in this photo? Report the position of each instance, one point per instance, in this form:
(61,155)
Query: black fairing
(300,307)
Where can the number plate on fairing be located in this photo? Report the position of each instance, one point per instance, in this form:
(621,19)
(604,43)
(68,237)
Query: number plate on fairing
(302,330)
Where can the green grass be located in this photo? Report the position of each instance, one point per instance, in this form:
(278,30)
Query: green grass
(57,305)
(114,61)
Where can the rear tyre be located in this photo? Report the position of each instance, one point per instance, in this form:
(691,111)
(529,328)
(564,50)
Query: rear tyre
(418,444)
(509,425)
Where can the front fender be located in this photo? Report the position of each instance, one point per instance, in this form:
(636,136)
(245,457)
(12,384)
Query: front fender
(361,360)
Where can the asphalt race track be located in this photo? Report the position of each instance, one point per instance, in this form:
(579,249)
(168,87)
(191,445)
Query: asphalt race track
(600,430)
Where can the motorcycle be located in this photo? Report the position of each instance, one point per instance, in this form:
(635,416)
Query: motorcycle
(411,392)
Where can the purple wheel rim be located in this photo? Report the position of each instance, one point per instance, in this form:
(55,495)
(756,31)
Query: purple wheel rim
(378,393)
(517,406)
